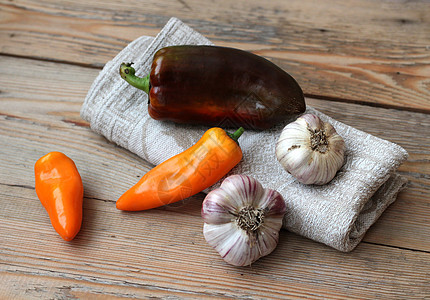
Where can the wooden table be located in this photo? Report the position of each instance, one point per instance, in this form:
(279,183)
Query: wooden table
(365,63)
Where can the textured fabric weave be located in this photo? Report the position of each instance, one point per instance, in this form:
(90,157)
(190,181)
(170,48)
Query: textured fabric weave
(337,214)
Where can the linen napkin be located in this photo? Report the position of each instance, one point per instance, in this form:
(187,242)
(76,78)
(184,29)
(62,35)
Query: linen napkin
(337,214)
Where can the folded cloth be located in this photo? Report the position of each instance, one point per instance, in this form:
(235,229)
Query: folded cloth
(337,214)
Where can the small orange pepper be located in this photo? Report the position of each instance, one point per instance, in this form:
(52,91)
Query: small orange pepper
(59,188)
(187,173)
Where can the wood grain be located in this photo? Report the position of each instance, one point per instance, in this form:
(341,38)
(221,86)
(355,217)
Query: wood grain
(364,63)
(46,118)
(359,51)
(161,253)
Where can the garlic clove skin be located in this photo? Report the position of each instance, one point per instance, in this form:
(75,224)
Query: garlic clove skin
(310,150)
(242,219)
(231,243)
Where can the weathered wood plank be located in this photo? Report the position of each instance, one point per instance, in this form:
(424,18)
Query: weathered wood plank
(359,51)
(27,285)
(163,251)
(46,118)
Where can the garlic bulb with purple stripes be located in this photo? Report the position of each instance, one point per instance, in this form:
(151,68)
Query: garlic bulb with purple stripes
(242,219)
(310,150)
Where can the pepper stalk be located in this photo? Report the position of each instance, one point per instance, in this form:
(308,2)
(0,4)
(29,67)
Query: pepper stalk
(127,72)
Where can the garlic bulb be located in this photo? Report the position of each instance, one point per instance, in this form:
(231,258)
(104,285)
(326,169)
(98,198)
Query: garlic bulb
(242,219)
(310,150)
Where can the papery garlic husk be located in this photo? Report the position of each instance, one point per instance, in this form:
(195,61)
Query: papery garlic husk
(242,219)
(310,150)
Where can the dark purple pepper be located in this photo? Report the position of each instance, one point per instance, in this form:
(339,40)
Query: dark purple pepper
(217,86)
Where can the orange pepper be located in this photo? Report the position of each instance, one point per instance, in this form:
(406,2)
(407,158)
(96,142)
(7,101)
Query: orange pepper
(187,173)
(59,188)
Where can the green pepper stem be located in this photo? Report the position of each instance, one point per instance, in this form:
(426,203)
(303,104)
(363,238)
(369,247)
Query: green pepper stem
(127,72)
(236,135)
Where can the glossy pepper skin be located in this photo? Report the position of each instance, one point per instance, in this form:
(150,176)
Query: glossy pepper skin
(59,187)
(186,173)
(217,86)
